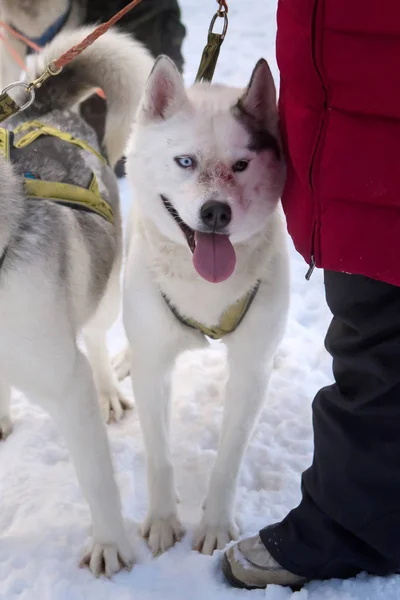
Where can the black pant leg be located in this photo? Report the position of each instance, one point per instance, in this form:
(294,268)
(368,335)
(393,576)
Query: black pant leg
(349,517)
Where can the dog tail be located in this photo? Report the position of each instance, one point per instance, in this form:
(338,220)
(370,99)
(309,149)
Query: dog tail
(116,63)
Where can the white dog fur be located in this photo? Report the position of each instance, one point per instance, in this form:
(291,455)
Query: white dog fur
(215,127)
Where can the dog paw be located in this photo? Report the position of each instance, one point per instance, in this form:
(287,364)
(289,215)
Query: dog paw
(122,364)
(161,534)
(108,559)
(113,405)
(208,538)
(5,427)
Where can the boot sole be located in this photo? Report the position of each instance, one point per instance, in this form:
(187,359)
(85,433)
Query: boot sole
(229,576)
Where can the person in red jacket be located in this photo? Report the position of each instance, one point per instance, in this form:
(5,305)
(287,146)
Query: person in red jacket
(340,115)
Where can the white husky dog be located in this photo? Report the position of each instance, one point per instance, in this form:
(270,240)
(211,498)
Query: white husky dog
(207,241)
(59,266)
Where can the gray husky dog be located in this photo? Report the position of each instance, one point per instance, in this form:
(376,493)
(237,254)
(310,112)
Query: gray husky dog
(59,272)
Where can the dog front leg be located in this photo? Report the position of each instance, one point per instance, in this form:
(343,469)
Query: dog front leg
(151,380)
(251,349)
(245,393)
(156,337)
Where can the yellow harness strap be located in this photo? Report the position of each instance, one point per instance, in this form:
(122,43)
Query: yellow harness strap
(229,321)
(35,129)
(66,194)
(5,143)
(71,195)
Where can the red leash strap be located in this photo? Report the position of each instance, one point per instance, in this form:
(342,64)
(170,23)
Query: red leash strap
(19,36)
(68,56)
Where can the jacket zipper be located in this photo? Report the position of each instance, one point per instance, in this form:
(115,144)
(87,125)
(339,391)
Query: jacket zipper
(312,263)
(312,257)
(311,268)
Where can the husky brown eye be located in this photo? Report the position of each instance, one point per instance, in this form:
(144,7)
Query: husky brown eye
(240,166)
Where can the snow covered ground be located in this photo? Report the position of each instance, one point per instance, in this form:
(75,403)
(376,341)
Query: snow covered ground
(43,517)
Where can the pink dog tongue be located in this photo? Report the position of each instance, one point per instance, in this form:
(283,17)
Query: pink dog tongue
(214,257)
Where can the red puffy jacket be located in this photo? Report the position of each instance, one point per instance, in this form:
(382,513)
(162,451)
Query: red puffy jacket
(340,111)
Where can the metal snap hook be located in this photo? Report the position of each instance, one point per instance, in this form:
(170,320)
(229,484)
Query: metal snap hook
(26,87)
(215,17)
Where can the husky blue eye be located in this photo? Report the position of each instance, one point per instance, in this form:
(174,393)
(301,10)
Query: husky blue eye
(240,166)
(186,162)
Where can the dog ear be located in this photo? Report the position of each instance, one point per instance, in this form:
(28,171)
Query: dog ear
(259,100)
(164,93)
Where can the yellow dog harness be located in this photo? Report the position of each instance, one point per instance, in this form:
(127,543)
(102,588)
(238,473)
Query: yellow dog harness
(66,194)
(229,321)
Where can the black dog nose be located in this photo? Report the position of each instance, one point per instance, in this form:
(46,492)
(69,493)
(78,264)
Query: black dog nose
(216,215)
